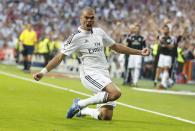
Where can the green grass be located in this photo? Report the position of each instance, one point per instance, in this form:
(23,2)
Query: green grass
(33,107)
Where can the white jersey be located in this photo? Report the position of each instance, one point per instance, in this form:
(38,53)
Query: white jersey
(89,45)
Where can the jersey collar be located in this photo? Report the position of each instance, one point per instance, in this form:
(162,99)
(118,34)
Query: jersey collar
(85,31)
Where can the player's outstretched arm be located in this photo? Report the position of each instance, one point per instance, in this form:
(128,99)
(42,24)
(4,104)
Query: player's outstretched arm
(51,65)
(126,50)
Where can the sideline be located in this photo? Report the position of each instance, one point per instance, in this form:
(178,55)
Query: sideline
(84,94)
(166,91)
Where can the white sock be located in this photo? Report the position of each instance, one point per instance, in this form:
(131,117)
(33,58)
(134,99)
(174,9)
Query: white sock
(165,78)
(98,98)
(136,75)
(94,113)
(170,81)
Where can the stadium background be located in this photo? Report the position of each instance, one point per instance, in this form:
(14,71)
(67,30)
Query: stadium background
(57,19)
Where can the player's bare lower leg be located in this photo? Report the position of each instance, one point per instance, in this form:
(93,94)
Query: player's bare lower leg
(157,75)
(106,112)
(103,113)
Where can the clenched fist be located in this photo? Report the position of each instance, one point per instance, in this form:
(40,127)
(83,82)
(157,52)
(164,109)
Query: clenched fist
(38,76)
(145,52)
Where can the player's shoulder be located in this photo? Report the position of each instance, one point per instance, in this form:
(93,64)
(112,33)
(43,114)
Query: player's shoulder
(141,36)
(24,31)
(75,35)
(98,30)
(73,38)
(34,32)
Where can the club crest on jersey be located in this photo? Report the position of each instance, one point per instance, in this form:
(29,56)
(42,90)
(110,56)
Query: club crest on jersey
(140,39)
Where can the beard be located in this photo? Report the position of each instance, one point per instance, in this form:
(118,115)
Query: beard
(89,26)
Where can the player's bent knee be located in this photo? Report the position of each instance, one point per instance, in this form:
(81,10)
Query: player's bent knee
(113,92)
(114,95)
(117,95)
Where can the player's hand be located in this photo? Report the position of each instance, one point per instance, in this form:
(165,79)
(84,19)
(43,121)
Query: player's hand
(38,76)
(145,52)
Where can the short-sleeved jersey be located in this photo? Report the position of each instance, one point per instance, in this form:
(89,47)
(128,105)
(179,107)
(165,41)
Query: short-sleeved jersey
(136,41)
(165,40)
(89,45)
(28,37)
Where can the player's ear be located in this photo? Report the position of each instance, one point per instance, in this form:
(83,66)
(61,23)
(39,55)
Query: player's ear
(81,19)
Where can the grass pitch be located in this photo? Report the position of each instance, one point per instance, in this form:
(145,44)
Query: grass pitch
(29,106)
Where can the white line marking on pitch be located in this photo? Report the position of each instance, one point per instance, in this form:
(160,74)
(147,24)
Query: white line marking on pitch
(166,91)
(84,94)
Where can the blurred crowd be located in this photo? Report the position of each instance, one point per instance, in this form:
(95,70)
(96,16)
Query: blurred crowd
(62,16)
(59,18)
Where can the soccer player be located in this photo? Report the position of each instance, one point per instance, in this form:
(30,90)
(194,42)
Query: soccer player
(28,39)
(89,43)
(135,41)
(155,53)
(165,57)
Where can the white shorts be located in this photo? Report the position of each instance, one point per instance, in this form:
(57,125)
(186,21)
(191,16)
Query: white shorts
(96,80)
(164,61)
(135,61)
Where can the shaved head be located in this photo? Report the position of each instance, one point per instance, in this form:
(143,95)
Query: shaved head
(87,18)
(87,10)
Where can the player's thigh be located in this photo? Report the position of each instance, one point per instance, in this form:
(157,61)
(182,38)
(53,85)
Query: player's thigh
(110,88)
(113,92)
